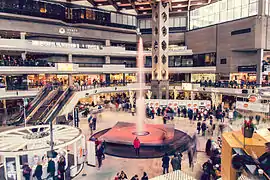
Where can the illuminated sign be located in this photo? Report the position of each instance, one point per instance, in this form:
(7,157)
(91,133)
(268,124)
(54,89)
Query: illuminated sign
(65,67)
(68,30)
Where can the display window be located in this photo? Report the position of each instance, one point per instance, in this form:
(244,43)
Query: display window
(243,77)
(203,77)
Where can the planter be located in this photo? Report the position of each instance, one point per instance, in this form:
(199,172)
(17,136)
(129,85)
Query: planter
(248,132)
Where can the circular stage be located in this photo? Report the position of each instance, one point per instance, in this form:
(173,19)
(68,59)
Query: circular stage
(123,148)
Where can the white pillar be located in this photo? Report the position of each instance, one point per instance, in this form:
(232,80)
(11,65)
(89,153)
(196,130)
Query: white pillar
(69,39)
(22,35)
(70,58)
(75,154)
(107,59)
(107,42)
(261,7)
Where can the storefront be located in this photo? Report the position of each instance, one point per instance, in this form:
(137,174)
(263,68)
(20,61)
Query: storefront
(89,77)
(18,82)
(244,77)
(203,77)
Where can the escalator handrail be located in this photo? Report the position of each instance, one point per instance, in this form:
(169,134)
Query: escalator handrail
(48,107)
(54,92)
(56,105)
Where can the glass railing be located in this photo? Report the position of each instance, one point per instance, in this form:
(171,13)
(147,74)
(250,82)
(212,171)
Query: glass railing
(69,13)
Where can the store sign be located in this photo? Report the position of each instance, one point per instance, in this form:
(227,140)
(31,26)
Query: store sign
(64,45)
(252,68)
(72,31)
(266,68)
(255,107)
(178,48)
(65,67)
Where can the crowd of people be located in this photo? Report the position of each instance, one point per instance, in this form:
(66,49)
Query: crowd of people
(28,61)
(228,84)
(54,171)
(123,176)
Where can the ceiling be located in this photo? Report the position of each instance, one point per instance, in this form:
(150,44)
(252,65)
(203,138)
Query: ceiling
(144,6)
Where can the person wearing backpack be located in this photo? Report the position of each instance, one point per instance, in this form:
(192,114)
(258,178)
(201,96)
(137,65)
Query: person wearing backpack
(26,171)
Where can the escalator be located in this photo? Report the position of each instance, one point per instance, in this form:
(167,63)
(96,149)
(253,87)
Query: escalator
(65,97)
(42,111)
(19,118)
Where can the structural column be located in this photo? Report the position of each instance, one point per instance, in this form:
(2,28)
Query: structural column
(5,111)
(259,73)
(69,39)
(22,35)
(107,58)
(160,42)
(70,80)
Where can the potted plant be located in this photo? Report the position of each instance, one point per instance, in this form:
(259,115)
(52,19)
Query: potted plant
(248,128)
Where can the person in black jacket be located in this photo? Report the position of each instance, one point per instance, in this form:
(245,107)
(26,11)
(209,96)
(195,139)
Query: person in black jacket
(203,128)
(61,168)
(165,163)
(38,172)
(51,168)
(198,127)
(145,177)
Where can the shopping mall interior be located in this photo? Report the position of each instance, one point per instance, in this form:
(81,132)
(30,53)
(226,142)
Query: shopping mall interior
(134,89)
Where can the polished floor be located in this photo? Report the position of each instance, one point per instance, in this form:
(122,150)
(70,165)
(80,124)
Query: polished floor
(112,165)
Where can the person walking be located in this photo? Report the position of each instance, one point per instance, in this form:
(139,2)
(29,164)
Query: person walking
(136,177)
(175,163)
(137,145)
(145,176)
(165,163)
(94,121)
(203,126)
(99,155)
(61,168)
(198,127)
(38,172)
(133,111)
(26,171)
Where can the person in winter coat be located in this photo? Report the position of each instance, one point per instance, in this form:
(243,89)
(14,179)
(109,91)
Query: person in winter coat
(51,168)
(175,162)
(204,127)
(208,147)
(38,172)
(165,163)
(26,171)
(145,176)
(137,145)
(61,168)
(198,127)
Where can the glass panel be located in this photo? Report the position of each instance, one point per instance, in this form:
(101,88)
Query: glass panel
(183,22)
(223,5)
(119,18)
(253,9)
(171,22)
(245,2)
(237,13)
(113,17)
(130,20)
(177,22)
(223,16)
(230,14)
(244,11)
(148,24)
(237,3)
(125,19)
(230,4)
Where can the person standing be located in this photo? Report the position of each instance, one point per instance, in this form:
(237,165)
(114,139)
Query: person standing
(26,171)
(178,111)
(51,168)
(145,176)
(137,145)
(99,155)
(136,177)
(133,111)
(165,163)
(208,147)
(38,172)
(175,163)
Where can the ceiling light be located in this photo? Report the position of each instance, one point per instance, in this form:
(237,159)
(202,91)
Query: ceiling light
(179,5)
(141,7)
(199,3)
(118,3)
(123,8)
(144,12)
(179,10)
(99,4)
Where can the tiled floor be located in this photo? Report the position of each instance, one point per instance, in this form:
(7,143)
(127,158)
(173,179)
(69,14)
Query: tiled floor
(112,165)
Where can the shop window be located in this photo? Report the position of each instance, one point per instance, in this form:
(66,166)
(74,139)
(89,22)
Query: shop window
(223,61)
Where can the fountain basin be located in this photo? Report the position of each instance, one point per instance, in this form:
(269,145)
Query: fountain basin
(152,134)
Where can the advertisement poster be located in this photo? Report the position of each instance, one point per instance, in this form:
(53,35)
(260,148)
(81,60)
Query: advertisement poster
(11,168)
